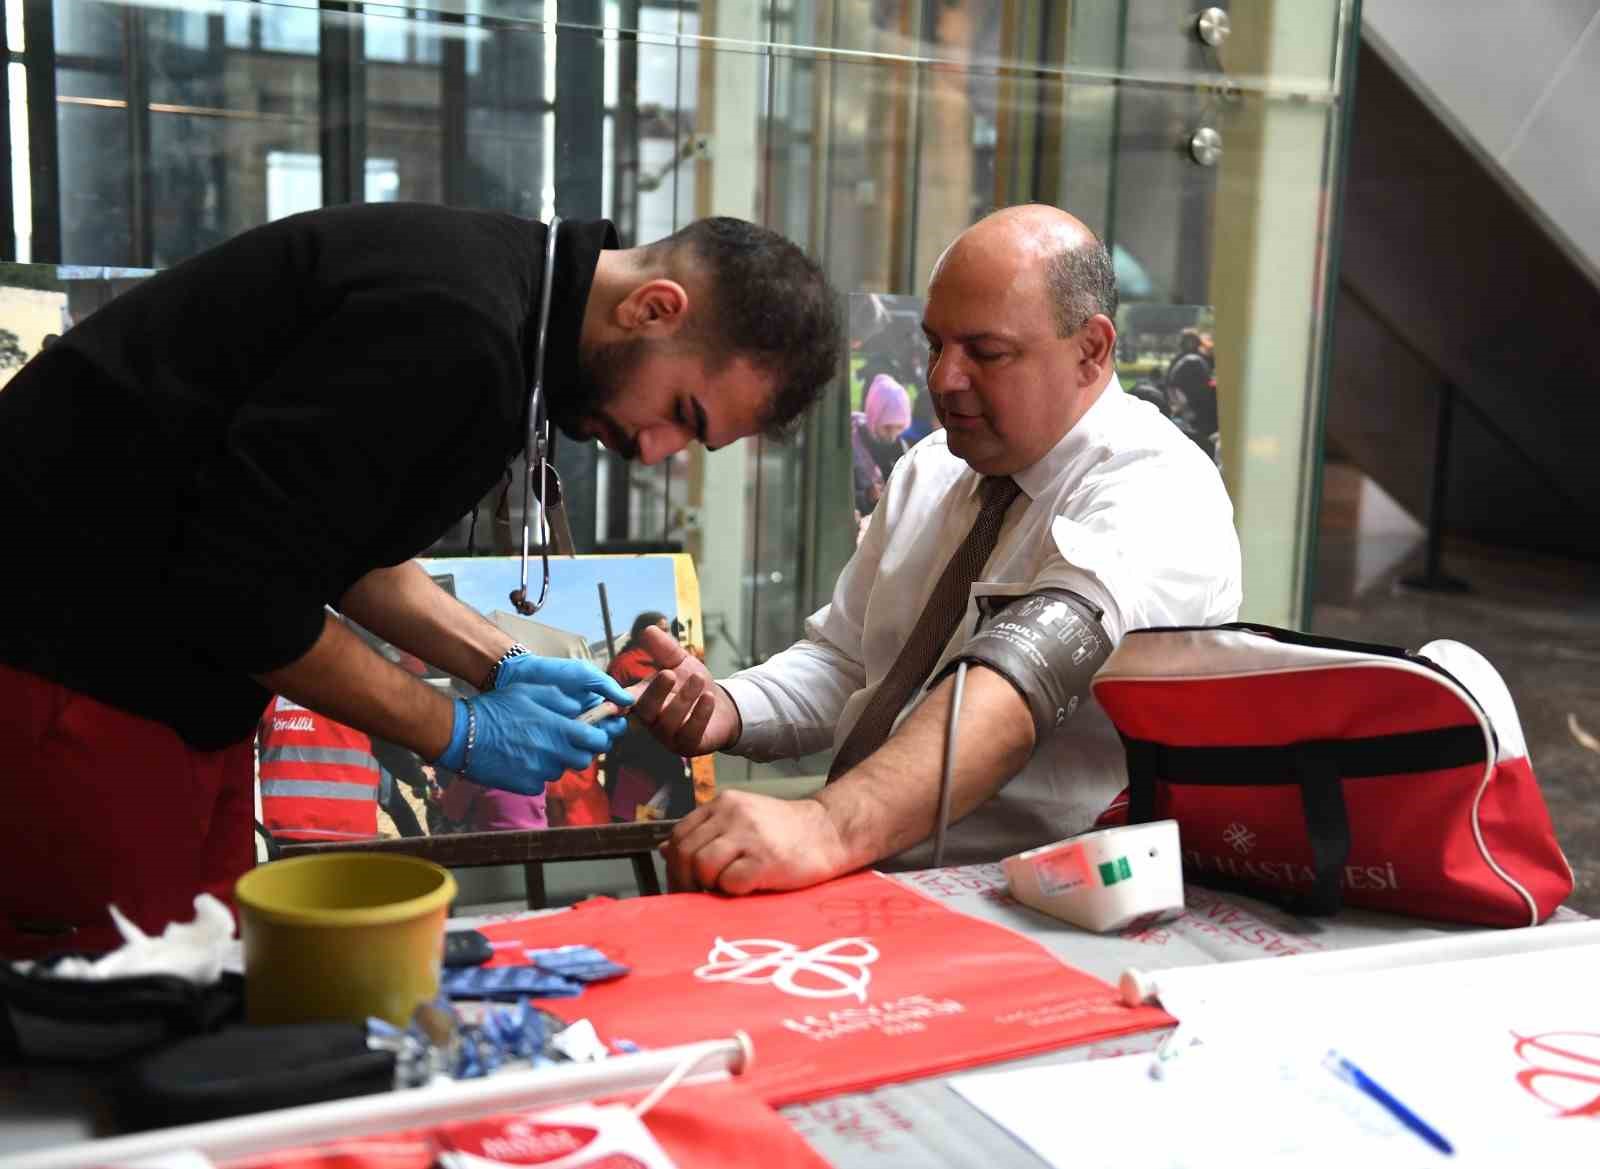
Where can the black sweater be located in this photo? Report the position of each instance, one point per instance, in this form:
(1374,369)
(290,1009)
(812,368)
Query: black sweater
(192,473)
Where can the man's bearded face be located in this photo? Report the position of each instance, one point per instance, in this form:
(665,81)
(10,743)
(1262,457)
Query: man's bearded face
(584,409)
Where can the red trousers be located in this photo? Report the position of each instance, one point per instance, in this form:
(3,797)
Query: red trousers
(99,807)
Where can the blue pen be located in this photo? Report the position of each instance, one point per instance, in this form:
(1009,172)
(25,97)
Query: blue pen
(1354,1076)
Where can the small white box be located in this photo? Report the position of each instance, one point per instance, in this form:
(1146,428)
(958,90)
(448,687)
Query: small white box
(1103,880)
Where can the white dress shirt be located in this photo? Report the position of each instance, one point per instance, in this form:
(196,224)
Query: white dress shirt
(1124,510)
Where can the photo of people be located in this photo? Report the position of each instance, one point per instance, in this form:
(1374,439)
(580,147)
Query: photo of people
(597,608)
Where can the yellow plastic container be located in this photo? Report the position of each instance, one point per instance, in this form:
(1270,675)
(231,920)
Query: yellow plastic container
(342,936)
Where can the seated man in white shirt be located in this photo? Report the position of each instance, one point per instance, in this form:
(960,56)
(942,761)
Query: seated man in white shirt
(1116,507)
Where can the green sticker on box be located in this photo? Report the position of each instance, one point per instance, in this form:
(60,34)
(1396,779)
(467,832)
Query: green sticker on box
(1113,871)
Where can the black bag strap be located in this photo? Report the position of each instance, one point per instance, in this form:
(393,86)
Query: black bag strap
(1144,768)
(1327,826)
(1401,754)
(1320,769)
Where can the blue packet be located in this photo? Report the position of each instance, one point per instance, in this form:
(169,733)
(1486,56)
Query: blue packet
(578,963)
(507,982)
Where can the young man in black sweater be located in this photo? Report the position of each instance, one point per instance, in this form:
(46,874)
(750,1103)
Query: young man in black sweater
(277,426)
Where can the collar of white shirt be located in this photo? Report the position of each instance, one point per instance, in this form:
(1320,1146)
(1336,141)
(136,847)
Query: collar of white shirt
(1035,478)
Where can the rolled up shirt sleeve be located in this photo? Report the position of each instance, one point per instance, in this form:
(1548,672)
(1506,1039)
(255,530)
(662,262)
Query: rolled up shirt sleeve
(790,704)
(318,470)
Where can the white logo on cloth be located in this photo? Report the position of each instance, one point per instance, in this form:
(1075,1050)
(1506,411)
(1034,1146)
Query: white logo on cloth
(829,971)
(1242,839)
(1054,611)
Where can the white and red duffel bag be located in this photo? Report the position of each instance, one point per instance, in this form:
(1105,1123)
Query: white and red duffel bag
(1316,773)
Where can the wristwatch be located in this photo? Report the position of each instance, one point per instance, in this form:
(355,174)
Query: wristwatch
(517,650)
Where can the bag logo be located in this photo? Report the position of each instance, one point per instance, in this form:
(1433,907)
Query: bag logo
(520,1142)
(832,970)
(1242,839)
(1363,878)
(870,913)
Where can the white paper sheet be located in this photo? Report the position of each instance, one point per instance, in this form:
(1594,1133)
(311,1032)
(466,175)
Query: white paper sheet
(1501,1056)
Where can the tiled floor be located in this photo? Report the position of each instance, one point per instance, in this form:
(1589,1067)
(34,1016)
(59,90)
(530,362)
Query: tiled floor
(1538,621)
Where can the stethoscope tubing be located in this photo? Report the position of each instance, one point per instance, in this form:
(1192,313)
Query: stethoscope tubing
(538,438)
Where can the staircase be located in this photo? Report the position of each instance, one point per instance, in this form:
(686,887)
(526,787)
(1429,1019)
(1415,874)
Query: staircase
(1457,271)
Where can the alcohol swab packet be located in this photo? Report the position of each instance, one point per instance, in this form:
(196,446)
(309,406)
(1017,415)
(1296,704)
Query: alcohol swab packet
(579,963)
(507,982)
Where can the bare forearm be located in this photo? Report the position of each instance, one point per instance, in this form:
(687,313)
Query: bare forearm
(403,606)
(343,679)
(890,801)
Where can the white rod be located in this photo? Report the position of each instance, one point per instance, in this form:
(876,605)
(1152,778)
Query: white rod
(310,1124)
(1141,986)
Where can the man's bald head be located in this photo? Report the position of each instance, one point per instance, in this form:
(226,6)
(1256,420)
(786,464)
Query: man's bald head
(1072,267)
(1020,336)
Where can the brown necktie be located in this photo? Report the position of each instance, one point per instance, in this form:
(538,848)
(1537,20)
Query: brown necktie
(918,656)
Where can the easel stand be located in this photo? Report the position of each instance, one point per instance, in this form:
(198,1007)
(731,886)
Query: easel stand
(532,849)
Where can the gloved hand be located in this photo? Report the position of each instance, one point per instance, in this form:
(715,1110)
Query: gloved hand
(573,678)
(523,736)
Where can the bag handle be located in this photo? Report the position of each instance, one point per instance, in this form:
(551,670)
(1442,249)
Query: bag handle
(1327,826)
(1322,804)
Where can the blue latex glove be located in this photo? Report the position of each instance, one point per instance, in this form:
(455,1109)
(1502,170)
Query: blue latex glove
(525,736)
(576,679)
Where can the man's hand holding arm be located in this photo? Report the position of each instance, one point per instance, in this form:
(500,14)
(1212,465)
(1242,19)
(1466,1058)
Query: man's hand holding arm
(742,842)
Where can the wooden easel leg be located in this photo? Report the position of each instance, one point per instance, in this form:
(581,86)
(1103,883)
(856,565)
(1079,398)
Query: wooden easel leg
(533,881)
(644,871)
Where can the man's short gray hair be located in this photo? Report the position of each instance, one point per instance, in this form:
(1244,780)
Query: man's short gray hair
(1082,282)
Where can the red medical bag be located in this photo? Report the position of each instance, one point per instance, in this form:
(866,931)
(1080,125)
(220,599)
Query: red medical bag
(1315,773)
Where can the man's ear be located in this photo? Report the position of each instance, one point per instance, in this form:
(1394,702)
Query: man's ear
(656,308)
(1098,342)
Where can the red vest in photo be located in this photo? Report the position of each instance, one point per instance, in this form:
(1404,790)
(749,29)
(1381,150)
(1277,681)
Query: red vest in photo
(319,780)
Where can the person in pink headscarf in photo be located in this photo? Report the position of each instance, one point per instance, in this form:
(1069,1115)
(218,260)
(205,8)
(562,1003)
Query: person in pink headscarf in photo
(875,439)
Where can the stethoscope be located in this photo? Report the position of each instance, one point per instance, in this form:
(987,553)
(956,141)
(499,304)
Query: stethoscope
(537,448)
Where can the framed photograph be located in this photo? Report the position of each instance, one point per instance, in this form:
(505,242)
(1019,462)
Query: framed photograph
(595,612)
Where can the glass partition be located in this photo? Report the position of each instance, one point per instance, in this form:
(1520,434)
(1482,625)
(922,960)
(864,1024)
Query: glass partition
(870,131)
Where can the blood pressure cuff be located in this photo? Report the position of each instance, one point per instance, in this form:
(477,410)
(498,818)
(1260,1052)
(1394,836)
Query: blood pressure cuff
(1047,644)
